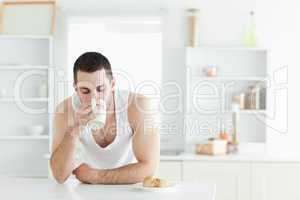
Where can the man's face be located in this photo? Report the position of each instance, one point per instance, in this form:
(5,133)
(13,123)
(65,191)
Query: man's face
(95,84)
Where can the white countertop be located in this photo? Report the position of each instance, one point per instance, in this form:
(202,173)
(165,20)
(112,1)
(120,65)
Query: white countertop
(250,152)
(46,189)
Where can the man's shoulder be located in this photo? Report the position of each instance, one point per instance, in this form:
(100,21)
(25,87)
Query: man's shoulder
(139,105)
(64,106)
(137,99)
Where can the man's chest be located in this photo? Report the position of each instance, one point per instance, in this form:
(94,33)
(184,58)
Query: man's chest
(105,136)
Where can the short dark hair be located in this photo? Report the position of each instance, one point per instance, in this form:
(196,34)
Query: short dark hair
(91,62)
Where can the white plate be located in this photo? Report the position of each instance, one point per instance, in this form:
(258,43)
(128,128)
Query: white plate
(170,187)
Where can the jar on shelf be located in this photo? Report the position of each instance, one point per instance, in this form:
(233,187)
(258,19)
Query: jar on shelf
(211,71)
(248,98)
(240,100)
(256,91)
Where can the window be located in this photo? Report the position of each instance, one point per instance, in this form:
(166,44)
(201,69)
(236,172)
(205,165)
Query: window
(132,45)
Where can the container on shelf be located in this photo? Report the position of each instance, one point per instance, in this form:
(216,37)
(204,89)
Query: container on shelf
(262,100)
(193,27)
(35,130)
(250,39)
(3,93)
(235,122)
(211,71)
(253,98)
(257,97)
(240,100)
(249,98)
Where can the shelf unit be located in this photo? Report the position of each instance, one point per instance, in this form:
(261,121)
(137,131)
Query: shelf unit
(209,99)
(25,64)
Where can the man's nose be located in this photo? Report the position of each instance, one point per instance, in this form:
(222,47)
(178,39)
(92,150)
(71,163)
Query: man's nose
(95,94)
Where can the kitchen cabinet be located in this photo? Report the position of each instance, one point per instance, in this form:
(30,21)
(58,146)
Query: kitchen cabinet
(244,179)
(232,179)
(255,175)
(275,181)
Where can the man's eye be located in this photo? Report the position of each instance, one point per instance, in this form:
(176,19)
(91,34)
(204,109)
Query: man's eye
(100,89)
(85,91)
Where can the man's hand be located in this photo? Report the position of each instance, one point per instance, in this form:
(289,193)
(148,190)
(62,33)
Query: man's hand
(86,174)
(83,114)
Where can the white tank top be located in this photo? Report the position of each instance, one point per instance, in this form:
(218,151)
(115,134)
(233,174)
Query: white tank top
(116,154)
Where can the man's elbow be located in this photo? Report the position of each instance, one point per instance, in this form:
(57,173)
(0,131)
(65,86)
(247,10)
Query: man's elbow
(58,174)
(60,179)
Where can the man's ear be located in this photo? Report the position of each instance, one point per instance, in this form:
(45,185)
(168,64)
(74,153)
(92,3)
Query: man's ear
(113,84)
(74,86)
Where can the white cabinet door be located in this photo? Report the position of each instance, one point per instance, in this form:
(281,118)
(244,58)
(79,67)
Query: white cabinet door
(170,170)
(232,179)
(276,181)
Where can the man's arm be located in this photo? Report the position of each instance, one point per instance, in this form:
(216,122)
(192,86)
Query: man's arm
(63,146)
(146,148)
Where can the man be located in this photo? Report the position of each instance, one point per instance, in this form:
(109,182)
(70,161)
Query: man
(125,150)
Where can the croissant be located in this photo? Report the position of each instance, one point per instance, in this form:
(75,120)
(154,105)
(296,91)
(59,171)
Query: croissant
(150,181)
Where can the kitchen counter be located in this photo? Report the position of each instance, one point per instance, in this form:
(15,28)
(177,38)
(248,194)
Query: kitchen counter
(46,189)
(249,152)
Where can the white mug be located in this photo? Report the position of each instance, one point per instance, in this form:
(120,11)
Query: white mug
(100,112)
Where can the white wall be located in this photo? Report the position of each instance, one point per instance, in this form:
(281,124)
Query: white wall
(221,22)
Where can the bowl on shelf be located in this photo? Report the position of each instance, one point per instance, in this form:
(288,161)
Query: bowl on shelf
(3,93)
(35,130)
